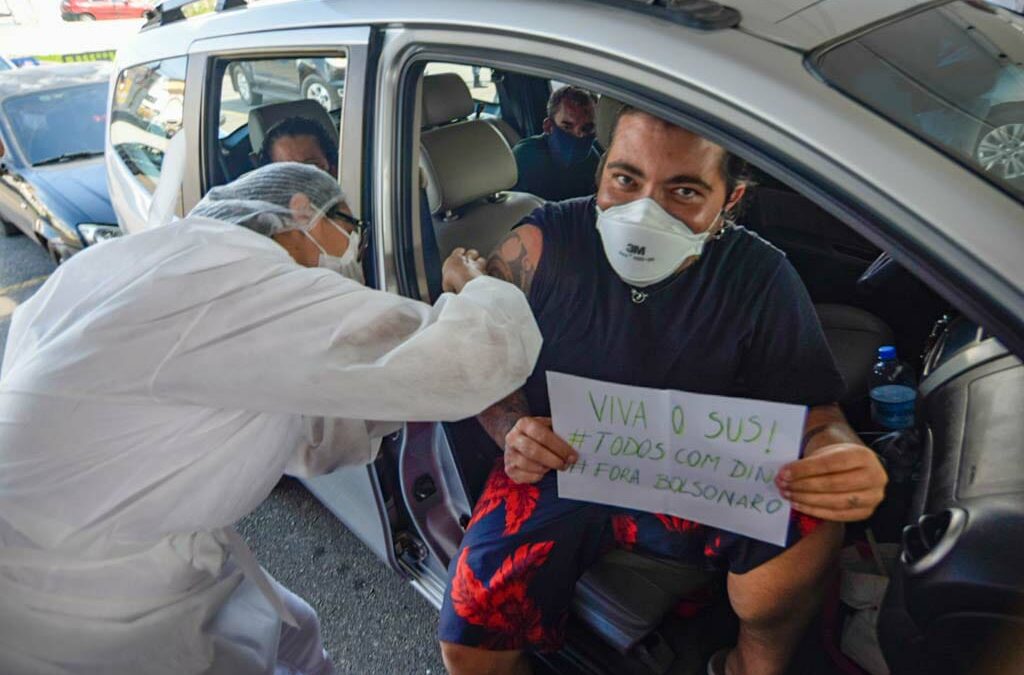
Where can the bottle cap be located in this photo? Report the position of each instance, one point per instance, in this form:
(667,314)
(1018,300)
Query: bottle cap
(887,353)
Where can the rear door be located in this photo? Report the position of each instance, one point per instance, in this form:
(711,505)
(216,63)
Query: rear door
(353,494)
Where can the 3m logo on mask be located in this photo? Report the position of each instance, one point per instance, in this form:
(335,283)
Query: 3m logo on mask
(633,249)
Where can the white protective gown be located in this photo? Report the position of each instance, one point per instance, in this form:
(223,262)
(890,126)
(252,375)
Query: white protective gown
(155,389)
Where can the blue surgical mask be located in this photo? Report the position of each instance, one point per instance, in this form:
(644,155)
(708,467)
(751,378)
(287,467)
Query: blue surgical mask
(568,149)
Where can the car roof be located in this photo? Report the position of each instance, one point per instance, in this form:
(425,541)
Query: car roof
(798,24)
(806,24)
(41,78)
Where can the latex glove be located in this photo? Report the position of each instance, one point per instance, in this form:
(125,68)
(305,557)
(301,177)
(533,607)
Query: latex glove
(460,268)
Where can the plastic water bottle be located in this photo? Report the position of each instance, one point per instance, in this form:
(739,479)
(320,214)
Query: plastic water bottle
(893,391)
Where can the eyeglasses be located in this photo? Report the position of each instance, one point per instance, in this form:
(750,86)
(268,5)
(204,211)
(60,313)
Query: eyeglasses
(357,225)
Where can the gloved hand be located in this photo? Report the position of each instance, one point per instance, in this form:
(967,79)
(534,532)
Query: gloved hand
(460,268)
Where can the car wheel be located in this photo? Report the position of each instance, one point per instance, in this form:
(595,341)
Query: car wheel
(1000,150)
(86,17)
(243,85)
(316,88)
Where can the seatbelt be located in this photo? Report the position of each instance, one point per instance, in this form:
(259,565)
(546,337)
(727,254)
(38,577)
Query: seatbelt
(431,253)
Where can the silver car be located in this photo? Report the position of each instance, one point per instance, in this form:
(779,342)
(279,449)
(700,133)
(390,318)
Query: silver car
(888,142)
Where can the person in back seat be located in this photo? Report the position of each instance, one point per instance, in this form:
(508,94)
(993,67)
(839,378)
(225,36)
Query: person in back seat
(709,308)
(302,140)
(561,162)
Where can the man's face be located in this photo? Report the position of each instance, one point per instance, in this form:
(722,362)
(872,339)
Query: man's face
(302,149)
(323,230)
(674,167)
(572,118)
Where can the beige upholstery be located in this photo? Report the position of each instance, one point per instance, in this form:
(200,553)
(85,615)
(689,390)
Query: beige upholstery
(465,162)
(469,169)
(262,119)
(511,135)
(446,98)
(604,118)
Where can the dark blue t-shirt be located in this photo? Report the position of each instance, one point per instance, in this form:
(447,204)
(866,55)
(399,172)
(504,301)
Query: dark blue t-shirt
(738,322)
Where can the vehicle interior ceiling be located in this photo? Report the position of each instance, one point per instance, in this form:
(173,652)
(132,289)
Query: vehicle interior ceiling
(465,172)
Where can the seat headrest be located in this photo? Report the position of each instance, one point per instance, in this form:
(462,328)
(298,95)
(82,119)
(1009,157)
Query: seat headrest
(445,98)
(605,114)
(466,162)
(262,119)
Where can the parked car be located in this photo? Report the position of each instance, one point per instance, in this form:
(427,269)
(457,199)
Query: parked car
(98,10)
(53,185)
(322,80)
(885,138)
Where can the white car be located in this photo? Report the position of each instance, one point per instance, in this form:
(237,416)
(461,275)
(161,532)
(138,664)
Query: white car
(888,139)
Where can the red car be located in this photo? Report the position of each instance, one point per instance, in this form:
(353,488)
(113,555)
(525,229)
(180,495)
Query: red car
(91,10)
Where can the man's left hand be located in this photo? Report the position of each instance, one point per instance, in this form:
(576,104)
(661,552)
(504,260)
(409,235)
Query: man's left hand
(843,482)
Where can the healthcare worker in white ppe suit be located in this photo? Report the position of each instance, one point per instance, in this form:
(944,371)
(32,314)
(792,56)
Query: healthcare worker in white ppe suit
(157,386)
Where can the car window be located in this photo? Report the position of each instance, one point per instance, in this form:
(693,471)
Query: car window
(479,79)
(147,111)
(4,65)
(59,123)
(259,95)
(258,82)
(952,75)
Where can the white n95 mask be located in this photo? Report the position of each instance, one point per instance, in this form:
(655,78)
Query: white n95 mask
(347,264)
(644,243)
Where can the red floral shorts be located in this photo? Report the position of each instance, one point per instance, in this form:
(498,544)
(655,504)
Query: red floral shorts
(511,583)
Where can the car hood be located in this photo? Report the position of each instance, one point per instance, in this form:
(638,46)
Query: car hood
(75,192)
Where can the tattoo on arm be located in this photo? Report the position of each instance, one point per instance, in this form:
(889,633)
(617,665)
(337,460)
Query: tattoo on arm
(499,419)
(510,262)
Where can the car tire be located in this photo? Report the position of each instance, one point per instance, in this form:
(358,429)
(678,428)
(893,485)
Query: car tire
(317,89)
(86,17)
(999,151)
(244,87)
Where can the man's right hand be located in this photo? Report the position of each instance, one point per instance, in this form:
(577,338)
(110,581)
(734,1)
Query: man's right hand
(460,268)
(532,449)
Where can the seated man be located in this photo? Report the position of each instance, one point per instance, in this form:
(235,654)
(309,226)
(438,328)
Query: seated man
(711,308)
(561,162)
(298,139)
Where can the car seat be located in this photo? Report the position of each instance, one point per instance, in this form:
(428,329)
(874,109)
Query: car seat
(469,169)
(263,119)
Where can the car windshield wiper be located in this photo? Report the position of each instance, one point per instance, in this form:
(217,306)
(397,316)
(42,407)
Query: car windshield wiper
(68,157)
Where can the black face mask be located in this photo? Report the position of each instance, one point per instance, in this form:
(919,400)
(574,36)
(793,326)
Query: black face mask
(568,149)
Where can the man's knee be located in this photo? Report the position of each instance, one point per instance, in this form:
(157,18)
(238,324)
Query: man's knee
(463,660)
(790,583)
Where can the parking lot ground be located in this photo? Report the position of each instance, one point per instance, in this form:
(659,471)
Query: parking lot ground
(373,622)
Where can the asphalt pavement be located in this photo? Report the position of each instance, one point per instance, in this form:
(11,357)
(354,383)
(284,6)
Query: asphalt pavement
(373,621)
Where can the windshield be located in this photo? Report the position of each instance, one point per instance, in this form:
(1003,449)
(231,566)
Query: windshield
(953,75)
(4,65)
(51,124)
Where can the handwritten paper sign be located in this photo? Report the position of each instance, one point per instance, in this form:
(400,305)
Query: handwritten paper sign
(711,459)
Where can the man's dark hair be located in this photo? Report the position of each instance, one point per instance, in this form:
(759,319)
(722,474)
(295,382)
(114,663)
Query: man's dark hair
(580,97)
(735,170)
(299,126)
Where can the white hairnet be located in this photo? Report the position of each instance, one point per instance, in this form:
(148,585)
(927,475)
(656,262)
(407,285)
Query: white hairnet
(260,199)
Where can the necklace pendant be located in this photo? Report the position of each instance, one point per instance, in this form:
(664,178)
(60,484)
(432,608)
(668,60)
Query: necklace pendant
(638,296)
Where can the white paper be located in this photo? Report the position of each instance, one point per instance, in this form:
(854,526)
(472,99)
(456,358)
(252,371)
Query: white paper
(710,459)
